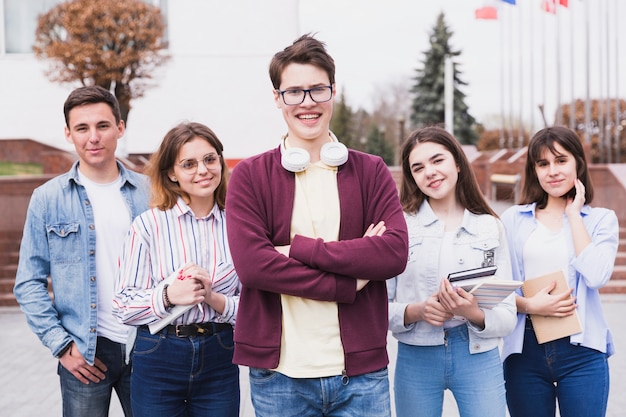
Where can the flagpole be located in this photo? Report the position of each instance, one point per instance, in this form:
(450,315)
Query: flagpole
(520,135)
(572,105)
(559,109)
(511,124)
(502,112)
(588,79)
(543,67)
(607,133)
(600,100)
(616,131)
(532,71)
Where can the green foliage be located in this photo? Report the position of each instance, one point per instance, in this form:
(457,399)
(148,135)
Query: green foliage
(428,107)
(341,124)
(12,168)
(378,145)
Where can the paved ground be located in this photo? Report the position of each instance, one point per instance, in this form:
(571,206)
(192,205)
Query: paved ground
(30,386)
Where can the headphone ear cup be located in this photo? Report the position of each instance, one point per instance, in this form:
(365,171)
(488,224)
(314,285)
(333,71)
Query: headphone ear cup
(295,159)
(334,154)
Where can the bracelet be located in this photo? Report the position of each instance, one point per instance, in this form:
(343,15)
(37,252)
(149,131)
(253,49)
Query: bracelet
(168,303)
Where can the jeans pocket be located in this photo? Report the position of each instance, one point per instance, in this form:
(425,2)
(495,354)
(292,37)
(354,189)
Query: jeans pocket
(225,340)
(261,375)
(378,375)
(147,343)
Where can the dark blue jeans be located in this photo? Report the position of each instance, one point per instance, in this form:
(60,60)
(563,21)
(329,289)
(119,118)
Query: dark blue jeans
(576,376)
(94,399)
(184,376)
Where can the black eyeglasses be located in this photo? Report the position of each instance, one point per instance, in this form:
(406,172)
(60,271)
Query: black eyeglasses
(296,96)
(190,166)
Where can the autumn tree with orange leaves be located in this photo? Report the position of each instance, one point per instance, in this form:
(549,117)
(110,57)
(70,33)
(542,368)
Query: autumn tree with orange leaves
(116,44)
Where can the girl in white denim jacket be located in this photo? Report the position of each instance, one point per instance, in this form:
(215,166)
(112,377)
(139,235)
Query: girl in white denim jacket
(445,340)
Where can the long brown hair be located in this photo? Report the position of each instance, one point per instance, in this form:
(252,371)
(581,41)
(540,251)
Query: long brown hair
(543,140)
(165,192)
(467,191)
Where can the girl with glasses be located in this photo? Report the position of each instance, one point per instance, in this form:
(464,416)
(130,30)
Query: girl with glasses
(176,268)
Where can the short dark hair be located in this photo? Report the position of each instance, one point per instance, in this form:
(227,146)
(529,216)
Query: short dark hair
(91,95)
(165,192)
(304,50)
(467,191)
(543,140)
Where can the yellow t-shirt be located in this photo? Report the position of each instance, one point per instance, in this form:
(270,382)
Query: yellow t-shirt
(311,344)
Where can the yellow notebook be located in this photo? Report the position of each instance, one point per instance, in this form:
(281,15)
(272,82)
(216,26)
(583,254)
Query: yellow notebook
(551,328)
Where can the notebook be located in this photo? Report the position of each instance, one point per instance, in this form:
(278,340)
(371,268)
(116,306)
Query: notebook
(551,328)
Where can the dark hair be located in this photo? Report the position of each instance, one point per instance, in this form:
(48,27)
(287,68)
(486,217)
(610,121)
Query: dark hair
(164,191)
(91,95)
(304,50)
(543,140)
(467,191)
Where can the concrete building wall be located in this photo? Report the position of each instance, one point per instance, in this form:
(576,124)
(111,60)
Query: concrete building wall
(217,75)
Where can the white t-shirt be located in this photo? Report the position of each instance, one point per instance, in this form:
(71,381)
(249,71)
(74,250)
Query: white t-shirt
(112,220)
(545,251)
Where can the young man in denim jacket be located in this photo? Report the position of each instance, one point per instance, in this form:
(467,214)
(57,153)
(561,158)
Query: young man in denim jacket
(74,228)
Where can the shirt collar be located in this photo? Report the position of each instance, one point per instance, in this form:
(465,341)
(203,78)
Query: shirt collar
(182,208)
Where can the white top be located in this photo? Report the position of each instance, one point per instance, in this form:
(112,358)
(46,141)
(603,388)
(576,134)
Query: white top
(112,220)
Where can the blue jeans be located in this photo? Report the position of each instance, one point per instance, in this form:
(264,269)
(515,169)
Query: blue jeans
(184,376)
(276,395)
(576,376)
(94,399)
(423,373)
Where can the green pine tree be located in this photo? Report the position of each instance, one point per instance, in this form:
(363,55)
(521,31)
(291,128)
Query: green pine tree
(341,123)
(378,145)
(428,106)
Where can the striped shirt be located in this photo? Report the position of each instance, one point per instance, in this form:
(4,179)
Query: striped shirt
(158,244)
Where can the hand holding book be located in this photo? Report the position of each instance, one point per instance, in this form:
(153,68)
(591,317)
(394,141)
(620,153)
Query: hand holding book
(481,282)
(549,328)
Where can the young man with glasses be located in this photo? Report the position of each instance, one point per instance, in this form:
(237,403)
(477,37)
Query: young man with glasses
(75,226)
(319,229)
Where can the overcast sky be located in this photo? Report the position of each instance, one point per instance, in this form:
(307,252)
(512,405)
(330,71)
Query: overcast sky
(377,43)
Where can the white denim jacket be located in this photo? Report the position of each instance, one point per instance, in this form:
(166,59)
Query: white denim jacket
(479,237)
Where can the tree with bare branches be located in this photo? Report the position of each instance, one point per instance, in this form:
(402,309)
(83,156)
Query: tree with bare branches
(116,44)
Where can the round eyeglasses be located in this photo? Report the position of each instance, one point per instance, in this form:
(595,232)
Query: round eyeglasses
(293,97)
(190,166)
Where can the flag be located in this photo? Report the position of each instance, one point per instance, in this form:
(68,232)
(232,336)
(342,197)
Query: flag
(550,5)
(487,12)
(513,1)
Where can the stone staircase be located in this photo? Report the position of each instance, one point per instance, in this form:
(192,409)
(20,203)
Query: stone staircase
(617,285)
(10,245)
(9,253)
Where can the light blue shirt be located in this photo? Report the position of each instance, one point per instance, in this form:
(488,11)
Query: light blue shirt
(59,241)
(478,236)
(588,272)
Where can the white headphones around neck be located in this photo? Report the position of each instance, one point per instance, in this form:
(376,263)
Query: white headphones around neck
(332,154)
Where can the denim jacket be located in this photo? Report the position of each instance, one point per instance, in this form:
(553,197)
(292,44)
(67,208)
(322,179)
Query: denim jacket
(478,238)
(59,242)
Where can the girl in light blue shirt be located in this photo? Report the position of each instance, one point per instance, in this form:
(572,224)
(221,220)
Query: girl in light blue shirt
(554,228)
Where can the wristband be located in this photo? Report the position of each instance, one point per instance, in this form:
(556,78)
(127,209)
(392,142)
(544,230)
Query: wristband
(168,303)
